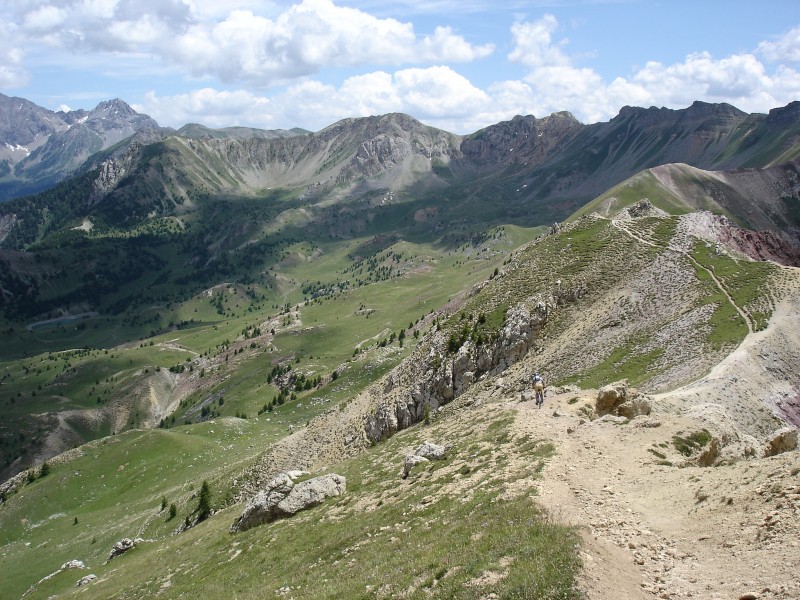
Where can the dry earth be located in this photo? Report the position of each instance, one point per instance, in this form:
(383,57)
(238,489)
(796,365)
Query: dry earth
(655,531)
(684,531)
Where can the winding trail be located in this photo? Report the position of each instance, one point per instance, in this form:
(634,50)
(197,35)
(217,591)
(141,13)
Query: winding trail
(742,312)
(652,530)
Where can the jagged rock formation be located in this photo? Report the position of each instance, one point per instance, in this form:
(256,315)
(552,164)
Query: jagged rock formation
(783,440)
(620,400)
(282,497)
(41,147)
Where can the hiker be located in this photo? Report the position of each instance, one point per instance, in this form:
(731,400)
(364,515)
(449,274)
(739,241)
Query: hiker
(538,388)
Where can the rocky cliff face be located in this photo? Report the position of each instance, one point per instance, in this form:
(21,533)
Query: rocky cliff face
(525,140)
(41,147)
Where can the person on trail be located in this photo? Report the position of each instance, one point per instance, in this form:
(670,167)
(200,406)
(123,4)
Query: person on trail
(538,389)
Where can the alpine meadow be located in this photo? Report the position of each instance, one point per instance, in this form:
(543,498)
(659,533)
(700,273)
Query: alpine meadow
(249,363)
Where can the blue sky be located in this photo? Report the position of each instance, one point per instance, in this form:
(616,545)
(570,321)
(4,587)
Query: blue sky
(458,65)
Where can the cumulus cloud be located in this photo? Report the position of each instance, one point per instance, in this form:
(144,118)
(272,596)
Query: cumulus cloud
(437,95)
(12,71)
(210,107)
(785,48)
(741,79)
(241,44)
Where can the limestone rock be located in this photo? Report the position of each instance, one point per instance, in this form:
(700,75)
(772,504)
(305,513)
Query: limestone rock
(123,546)
(73,564)
(783,440)
(431,451)
(86,580)
(425,452)
(281,497)
(611,419)
(311,493)
(411,461)
(611,396)
(634,407)
(295,475)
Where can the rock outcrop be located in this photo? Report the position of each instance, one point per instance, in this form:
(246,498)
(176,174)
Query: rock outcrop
(281,497)
(86,580)
(426,452)
(783,440)
(123,546)
(620,400)
(430,380)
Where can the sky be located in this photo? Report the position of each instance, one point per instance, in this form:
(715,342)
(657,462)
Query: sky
(459,65)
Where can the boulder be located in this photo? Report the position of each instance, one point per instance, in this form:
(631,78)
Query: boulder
(425,452)
(123,546)
(411,461)
(281,497)
(634,407)
(783,440)
(85,580)
(311,493)
(431,451)
(611,396)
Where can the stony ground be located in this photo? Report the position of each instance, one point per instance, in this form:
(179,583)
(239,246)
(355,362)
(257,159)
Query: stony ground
(683,531)
(654,531)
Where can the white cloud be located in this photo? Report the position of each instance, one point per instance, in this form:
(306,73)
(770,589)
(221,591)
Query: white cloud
(533,44)
(436,95)
(740,79)
(308,37)
(786,47)
(12,71)
(210,107)
(260,48)
(44,18)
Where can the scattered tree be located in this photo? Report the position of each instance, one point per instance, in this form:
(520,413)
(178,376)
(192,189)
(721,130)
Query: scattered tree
(204,502)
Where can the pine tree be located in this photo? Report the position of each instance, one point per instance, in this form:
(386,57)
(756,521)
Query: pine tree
(204,502)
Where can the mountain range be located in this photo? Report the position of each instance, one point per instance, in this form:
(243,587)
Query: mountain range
(197,320)
(41,147)
(538,170)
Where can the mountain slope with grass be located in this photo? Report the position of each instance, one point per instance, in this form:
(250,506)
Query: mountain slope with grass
(764,201)
(557,502)
(176,335)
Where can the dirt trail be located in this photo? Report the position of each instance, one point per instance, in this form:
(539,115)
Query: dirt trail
(742,312)
(657,531)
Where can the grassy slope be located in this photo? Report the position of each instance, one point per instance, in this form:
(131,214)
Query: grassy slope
(394,292)
(138,468)
(428,534)
(629,192)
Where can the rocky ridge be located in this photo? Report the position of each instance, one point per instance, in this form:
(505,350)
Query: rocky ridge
(42,147)
(558,330)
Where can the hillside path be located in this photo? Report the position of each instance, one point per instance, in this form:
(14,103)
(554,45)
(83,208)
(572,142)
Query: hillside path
(657,531)
(742,312)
